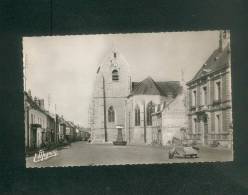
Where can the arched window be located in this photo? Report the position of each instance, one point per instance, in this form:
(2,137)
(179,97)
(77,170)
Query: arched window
(137,116)
(149,110)
(111,114)
(115,75)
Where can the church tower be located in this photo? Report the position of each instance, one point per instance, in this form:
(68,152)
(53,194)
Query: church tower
(111,88)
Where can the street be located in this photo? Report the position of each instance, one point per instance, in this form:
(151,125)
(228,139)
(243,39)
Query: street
(84,154)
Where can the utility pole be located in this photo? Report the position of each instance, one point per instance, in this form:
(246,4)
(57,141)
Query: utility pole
(129,127)
(25,70)
(144,108)
(49,102)
(56,125)
(25,66)
(104,110)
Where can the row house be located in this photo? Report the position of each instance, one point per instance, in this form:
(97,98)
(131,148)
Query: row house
(66,130)
(43,128)
(70,134)
(84,133)
(36,121)
(210,106)
(61,128)
(51,128)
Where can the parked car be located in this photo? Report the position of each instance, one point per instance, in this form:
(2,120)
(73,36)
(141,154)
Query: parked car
(183,152)
(194,146)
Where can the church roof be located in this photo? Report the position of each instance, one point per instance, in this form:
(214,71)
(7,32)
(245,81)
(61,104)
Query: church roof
(149,87)
(217,61)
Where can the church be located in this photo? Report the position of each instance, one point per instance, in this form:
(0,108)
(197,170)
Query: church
(120,103)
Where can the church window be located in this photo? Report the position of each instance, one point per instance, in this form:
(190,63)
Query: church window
(111,114)
(115,75)
(137,116)
(150,109)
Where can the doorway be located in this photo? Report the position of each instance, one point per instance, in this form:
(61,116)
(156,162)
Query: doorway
(205,121)
(34,137)
(159,137)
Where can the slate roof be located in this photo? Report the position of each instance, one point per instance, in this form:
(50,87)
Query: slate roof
(33,104)
(37,107)
(149,87)
(217,61)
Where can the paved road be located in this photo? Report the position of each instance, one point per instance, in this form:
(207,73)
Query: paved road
(83,154)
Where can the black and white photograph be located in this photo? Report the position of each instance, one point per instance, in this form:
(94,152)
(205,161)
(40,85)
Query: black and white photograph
(134,98)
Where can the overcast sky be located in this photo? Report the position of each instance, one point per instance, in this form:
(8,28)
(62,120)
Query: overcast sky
(65,66)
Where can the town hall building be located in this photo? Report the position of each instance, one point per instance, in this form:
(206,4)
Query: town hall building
(118,102)
(210,98)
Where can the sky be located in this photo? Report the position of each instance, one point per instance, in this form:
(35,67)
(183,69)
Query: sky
(62,69)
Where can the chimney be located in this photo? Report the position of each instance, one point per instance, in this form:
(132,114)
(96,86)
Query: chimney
(29,93)
(224,39)
(41,104)
(36,100)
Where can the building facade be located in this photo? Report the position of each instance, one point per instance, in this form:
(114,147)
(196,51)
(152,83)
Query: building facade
(44,129)
(170,120)
(112,86)
(51,130)
(119,102)
(145,98)
(61,128)
(210,98)
(35,121)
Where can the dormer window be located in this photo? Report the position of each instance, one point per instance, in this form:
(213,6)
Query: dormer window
(115,75)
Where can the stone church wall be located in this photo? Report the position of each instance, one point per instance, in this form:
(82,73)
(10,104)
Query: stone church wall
(116,92)
(137,132)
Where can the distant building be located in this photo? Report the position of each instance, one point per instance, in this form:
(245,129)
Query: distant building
(51,130)
(210,101)
(61,126)
(84,133)
(70,131)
